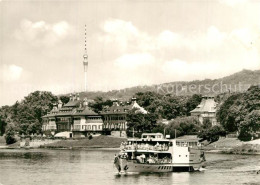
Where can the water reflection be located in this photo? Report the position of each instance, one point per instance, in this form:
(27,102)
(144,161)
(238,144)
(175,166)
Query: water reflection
(158,178)
(96,167)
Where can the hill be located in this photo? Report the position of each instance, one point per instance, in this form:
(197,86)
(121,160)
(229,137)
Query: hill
(237,82)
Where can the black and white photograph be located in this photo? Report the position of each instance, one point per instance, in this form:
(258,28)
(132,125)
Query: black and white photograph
(132,92)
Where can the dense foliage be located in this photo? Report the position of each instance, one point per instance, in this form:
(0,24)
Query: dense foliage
(249,125)
(10,134)
(212,134)
(168,106)
(183,126)
(4,118)
(140,122)
(239,113)
(25,117)
(99,103)
(64,99)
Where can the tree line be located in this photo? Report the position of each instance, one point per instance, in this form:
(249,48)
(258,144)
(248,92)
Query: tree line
(238,112)
(25,117)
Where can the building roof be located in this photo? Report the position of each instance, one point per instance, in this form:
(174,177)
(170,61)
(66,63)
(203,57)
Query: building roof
(73,103)
(141,109)
(116,109)
(52,113)
(65,111)
(84,111)
(123,109)
(206,105)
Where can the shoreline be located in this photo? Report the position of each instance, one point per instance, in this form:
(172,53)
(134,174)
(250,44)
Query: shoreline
(60,148)
(219,151)
(99,148)
(222,146)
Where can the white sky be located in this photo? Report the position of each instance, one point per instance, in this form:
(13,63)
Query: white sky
(129,43)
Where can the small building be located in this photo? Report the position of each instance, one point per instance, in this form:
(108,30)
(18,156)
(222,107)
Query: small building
(206,110)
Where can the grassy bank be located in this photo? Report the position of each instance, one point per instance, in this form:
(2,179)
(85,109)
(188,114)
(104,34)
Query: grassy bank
(234,146)
(95,142)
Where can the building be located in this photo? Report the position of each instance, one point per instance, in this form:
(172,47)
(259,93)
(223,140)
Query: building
(75,117)
(114,117)
(206,110)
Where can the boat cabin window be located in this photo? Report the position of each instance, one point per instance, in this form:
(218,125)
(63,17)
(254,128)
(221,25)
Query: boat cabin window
(150,158)
(186,143)
(152,136)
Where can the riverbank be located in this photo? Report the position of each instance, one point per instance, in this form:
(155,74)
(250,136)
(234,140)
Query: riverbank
(234,146)
(98,142)
(104,142)
(223,145)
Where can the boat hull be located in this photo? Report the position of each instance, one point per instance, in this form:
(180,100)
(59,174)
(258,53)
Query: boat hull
(124,165)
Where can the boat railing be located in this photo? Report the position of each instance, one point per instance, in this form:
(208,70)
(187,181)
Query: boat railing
(160,147)
(153,160)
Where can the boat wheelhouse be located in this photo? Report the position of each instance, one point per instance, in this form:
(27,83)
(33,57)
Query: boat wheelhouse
(154,153)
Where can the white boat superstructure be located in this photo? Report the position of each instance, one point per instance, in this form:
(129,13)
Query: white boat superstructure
(154,153)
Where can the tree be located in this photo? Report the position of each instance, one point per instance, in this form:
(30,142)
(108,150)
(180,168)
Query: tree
(167,106)
(3,122)
(26,116)
(64,99)
(212,134)
(99,104)
(193,102)
(227,113)
(206,123)
(249,126)
(183,126)
(10,134)
(5,118)
(238,111)
(140,122)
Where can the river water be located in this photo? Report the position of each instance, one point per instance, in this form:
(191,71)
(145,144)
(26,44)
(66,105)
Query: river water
(42,166)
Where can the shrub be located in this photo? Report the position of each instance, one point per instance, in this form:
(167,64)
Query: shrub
(10,134)
(90,137)
(213,133)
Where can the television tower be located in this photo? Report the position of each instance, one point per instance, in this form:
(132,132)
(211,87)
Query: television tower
(85,61)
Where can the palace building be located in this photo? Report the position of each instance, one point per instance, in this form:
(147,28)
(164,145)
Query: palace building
(206,110)
(75,117)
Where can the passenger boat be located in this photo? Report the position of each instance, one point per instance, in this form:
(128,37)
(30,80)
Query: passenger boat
(154,153)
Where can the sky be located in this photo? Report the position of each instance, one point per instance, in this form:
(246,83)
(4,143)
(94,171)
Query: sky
(129,43)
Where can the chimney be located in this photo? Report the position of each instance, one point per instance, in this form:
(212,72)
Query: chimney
(115,102)
(59,104)
(55,107)
(74,97)
(133,100)
(85,102)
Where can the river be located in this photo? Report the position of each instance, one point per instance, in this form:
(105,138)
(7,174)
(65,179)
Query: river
(91,167)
